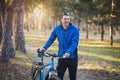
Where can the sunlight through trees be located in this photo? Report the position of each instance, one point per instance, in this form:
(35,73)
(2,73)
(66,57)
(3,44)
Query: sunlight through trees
(97,16)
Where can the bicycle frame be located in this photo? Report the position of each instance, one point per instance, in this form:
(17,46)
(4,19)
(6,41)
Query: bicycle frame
(51,67)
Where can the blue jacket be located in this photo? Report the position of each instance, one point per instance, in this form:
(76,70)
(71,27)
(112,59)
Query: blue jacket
(68,40)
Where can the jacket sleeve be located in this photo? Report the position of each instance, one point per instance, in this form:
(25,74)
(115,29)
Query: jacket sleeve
(74,42)
(50,40)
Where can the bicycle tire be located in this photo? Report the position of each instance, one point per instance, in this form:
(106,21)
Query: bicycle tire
(52,77)
(36,74)
(55,77)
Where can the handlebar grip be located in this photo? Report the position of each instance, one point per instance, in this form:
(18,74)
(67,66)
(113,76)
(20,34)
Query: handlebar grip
(40,52)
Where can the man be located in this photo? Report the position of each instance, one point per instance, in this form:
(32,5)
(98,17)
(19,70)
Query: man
(68,38)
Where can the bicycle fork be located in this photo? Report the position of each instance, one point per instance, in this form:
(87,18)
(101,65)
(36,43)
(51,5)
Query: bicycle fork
(42,74)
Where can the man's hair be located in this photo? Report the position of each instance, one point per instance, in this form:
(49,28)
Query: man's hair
(65,14)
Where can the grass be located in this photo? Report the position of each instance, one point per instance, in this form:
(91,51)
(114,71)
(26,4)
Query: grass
(25,56)
(23,59)
(100,54)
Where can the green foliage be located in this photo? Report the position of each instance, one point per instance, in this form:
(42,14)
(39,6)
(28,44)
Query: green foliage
(95,33)
(97,11)
(114,32)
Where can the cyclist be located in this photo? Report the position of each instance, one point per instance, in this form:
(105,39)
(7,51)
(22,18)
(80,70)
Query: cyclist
(68,37)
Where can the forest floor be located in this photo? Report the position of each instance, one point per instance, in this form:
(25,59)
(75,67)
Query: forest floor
(97,60)
(20,69)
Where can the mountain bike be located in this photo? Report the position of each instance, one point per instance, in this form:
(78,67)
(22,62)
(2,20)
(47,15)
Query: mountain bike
(38,68)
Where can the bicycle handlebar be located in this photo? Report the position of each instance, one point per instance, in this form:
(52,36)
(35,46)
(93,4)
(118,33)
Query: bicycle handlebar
(44,53)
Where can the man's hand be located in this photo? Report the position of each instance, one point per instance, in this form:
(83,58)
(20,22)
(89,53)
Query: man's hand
(43,49)
(66,55)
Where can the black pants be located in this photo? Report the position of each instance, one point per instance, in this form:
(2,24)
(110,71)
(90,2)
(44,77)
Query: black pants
(71,64)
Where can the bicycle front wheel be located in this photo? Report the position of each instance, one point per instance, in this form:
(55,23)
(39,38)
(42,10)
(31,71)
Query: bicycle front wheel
(55,77)
(36,75)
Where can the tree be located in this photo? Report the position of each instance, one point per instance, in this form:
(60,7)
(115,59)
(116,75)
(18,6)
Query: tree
(2,10)
(7,44)
(115,16)
(0,31)
(101,15)
(19,34)
(85,12)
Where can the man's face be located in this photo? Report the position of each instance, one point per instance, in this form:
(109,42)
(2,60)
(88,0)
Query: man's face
(65,20)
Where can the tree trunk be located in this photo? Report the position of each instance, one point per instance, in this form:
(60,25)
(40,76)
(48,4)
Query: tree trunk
(102,32)
(87,28)
(111,32)
(2,12)
(111,25)
(0,29)
(19,36)
(79,24)
(7,45)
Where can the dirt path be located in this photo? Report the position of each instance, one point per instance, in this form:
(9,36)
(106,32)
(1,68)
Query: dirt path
(85,73)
